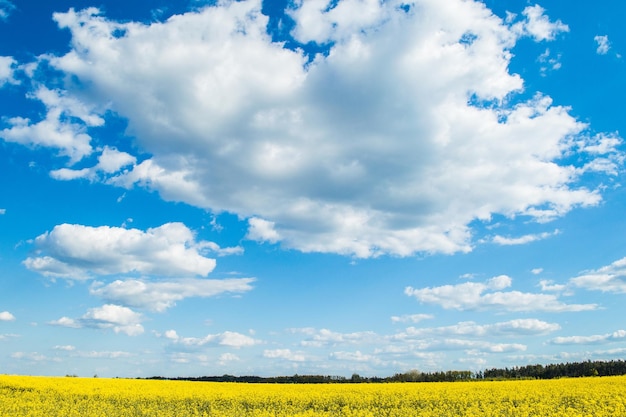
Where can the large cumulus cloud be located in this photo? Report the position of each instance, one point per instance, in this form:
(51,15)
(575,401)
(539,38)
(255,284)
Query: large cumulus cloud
(406,131)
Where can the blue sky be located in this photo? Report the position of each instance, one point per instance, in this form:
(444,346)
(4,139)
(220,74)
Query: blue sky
(309,187)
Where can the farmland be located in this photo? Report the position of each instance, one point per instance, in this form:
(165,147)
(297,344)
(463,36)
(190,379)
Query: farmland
(86,397)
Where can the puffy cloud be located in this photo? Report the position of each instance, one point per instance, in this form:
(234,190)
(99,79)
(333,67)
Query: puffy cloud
(174,180)
(603,44)
(60,129)
(110,161)
(158,296)
(227,338)
(319,21)
(487,296)
(7,65)
(76,252)
(109,316)
(262,231)
(538,25)
(66,322)
(548,285)
(602,144)
(611,278)
(6,316)
(358,151)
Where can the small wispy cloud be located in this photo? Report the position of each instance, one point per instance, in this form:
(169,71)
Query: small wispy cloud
(549,62)
(492,295)
(603,44)
(6,8)
(411,318)
(67,348)
(508,241)
(618,335)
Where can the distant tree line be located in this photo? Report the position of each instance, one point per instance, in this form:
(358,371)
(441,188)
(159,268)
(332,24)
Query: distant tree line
(561,370)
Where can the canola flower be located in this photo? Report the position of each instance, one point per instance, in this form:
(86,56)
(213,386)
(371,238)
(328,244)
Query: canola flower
(90,397)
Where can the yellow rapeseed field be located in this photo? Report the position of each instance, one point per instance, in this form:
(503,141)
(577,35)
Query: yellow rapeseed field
(90,397)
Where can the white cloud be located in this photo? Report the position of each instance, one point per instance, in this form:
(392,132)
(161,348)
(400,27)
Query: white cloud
(67,348)
(611,278)
(174,180)
(467,345)
(358,152)
(109,316)
(427,346)
(120,319)
(602,144)
(549,63)
(548,285)
(6,316)
(219,251)
(110,161)
(228,358)
(6,8)
(606,156)
(76,252)
(284,354)
(517,327)
(522,240)
(538,25)
(161,295)
(486,296)
(413,318)
(30,356)
(66,322)
(321,23)
(262,230)
(94,354)
(325,337)
(356,356)
(227,338)
(7,68)
(3,211)
(618,335)
(603,44)
(60,129)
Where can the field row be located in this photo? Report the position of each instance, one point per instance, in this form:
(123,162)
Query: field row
(43,396)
